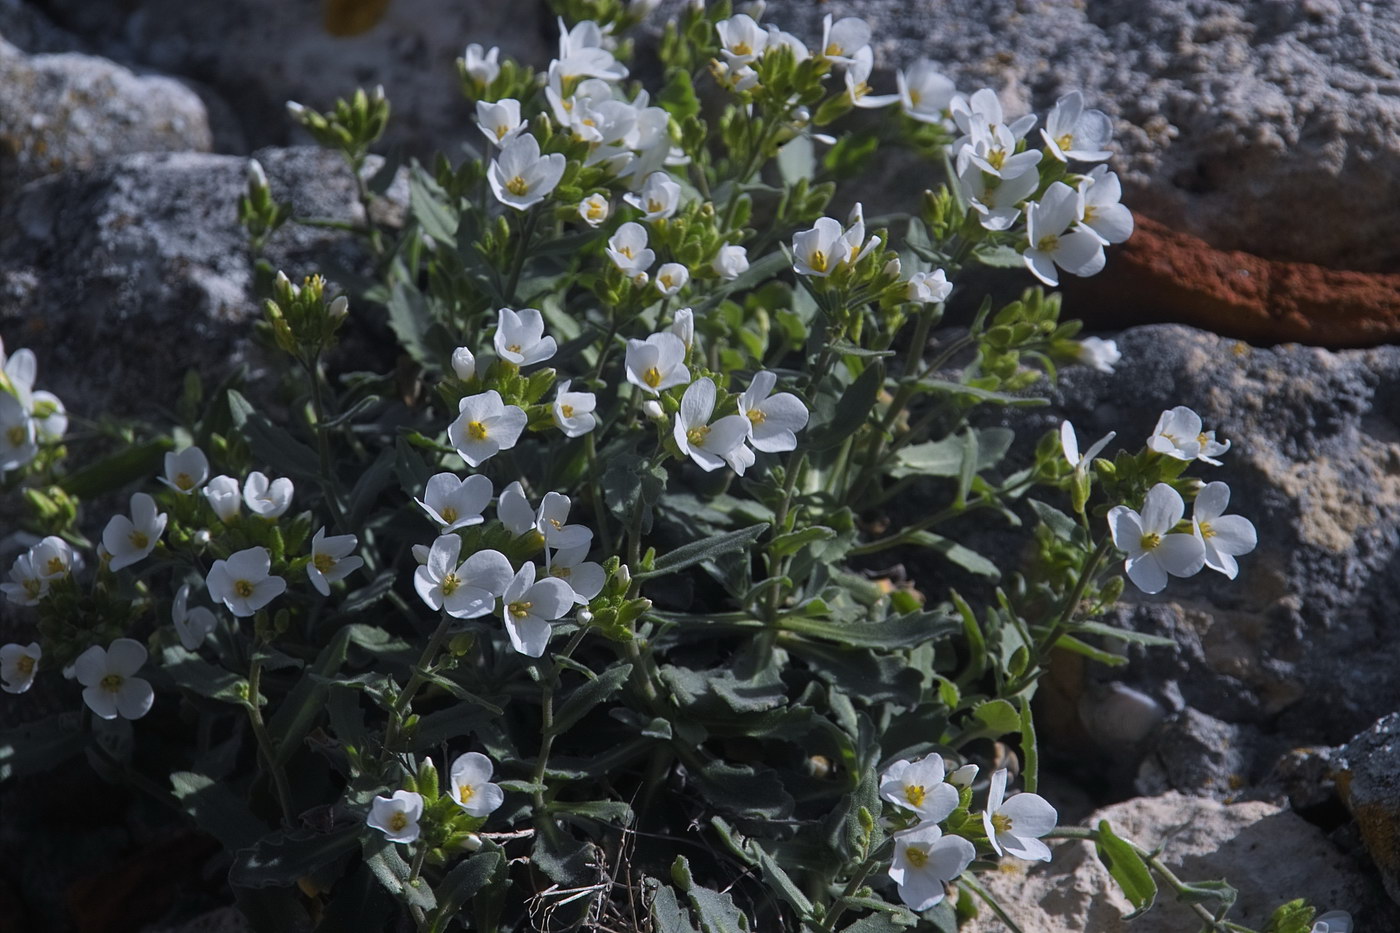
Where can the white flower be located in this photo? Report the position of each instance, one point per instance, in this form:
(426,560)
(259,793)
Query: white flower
(185,471)
(50,417)
(244,582)
(132,539)
(924,861)
(742,40)
(1224,537)
(18,434)
(671,278)
(628,249)
(843,39)
(585,577)
(594,209)
(225,497)
(659,198)
(454,503)
(964,776)
(463,363)
(919,786)
(774,420)
(500,121)
(106,673)
(924,91)
(730,262)
(656,363)
(53,558)
(1334,921)
(530,606)
(397,816)
(463,590)
(995,199)
(1052,243)
(1153,549)
(820,250)
(985,107)
(483,68)
(1178,434)
(709,445)
(469,785)
(1071,132)
(854,245)
(331,560)
(18,664)
(520,177)
(929,287)
(485,426)
(573,411)
(1101,354)
(192,625)
(857,81)
(779,39)
(267,499)
(1069,443)
(1014,825)
(581,53)
(520,337)
(552,522)
(1104,217)
(515,511)
(27,584)
(683,326)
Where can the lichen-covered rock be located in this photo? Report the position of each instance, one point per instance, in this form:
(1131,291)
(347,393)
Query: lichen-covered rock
(68,110)
(1269,854)
(1369,777)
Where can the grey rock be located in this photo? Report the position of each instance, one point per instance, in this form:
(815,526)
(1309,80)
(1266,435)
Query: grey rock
(1202,839)
(69,110)
(1370,776)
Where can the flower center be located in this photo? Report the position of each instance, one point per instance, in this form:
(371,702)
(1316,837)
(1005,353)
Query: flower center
(55,565)
(626,251)
(1001,822)
(562,573)
(1202,439)
(756,416)
(665,280)
(25,665)
(1206,530)
(743,48)
(521,609)
(450,584)
(697,434)
(1048,243)
(324,562)
(915,97)
(501,131)
(243,588)
(139,540)
(184,481)
(1065,140)
(652,377)
(566,410)
(476,430)
(597,210)
(1088,213)
(654,206)
(514,348)
(33,587)
(112,683)
(997,158)
(449,515)
(818,260)
(465,792)
(914,793)
(398,821)
(916,856)
(1150,541)
(832,50)
(517,186)
(16,435)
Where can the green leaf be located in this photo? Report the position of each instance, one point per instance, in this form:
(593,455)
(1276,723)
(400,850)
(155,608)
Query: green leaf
(852,409)
(981,395)
(1126,867)
(1060,524)
(706,549)
(271,444)
(588,695)
(1030,750)
(137,462)
(629,482)
(39,746)
(426,200)
(715,911)
(391,871)
(964,557)
(931,458)
(1122,634)
(465,880)
(279,859)
(369,594)
(778,880)
(667,915)
(1000,257)
(744,790)
(794,541)
(193,673)
(998,716)
(1070,643)
(678,96)
(892,633)
(216,809)
(298,711)
(411,320)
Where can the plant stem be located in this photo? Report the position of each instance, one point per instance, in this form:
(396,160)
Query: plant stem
(416,680)
(323,444)
(527,234)
(1091,568)
(265,744)
(547,715)
(973,885)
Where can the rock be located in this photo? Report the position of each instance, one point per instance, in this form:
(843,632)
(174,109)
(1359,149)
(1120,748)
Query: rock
(151,245)
(1198,754)
(1369,777)
(68,110)
(261,53)
(1202,839)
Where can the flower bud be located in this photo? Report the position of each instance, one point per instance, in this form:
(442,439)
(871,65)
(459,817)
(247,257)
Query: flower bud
(202,537)
(471,842)
(295,110)
(463,363)
(257,178)
(339,308)
(964,776)
(802,116)
(584,617)
(652,408)
(893,268)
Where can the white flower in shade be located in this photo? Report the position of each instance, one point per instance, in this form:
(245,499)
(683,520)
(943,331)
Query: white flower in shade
(132,539)
(741,39)
(774,420)
(919,786)
(707,444)
(482,67)
(244,583)
(929,287)
(1015,824)
(515,511)
(964,776)
(53,558)
(49,415)
(1334,921)
(192,625)
(683,326)
(1178,434)
(594,209)
(331,560)
(530,606)
(1052,243)
(1153,549)
(983,107)
(520,177)
(844,38)
(107,674)
(628,249)
(858,78)
(463,363)
(1069,443)
(18,663)
(573,411)
(225,497)
(652,409)
(659,198)
(456,503)
(186,471)
(1104,217)
(397,816)
(520,337)
(552,521)
(581,53)
(469,785)
(1073,133)
(485,426)
(820,250)
(500,121)
(995,200)
(656,363)
(18,434)
(730,262)
(1224,537)
(1101,354)
(26,585)
(266,498)
(924,861)
(924,91)
(463,590)
(585,577)
(779,39)
(671,278)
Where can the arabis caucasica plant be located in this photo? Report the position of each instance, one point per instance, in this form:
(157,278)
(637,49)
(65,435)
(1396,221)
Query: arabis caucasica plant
(601,526)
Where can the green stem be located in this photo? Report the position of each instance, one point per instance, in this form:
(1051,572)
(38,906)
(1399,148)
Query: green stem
(527,234)
(416,680)
(547,715)
(265,744)
(872,861)
(1091,568)
(323,444)
(973,885)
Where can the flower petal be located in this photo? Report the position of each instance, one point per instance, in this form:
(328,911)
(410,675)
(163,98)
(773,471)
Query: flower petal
(1162,509)
(1146,573)
(1031,815)
(1181,555)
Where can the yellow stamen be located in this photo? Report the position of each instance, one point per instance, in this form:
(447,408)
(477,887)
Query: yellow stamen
(514,348)
(832,50)
(1048,244)
(112,683)
(450,584)
(398,821)
(756,416)
(1206,530)
(1150,542)
(16,436)
(449,515)
(914,793)
(817,260)
(916,856)
(55,565)
(243,588)
(697,435)
(184,481)
(501,131)
(138,539)
(465,792)
(654,206)
(566,410)
(25,664)
(517,186)
(652,377)
(521,609)
(1065,141)
(1001,822)
(476,430)
(324,562)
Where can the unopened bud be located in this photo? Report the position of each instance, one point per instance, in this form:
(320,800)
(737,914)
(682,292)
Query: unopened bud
(339,308)
(471,842)
(893,268)
(584,617)
(295,110)
(202,537)
(463,363)
(641,279)
(652,408)
(257,178)
(802,116)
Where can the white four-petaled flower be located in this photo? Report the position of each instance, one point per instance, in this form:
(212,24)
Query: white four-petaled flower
(1073,133)
(1098,353)
(671,278)
(1224,537)
(924,861)
(928,287)
(730,262)
(244,583)
(520,177)
(1053,243)
(186,471)
(774,420)
(54,558)
(656,363)
(627,248)
(499,121)
(192,625)
(1104,216)
(331,560)
(585,577)
(27,585)
(1178,434)
(18,664)
(919,786)
(529,606)
(709,445)
(107,674)
(520,337)
(397,816)
(267,499)
(464,590)
(132,539)
(594,209)
(485,426)
(469,785)
(1015,824)
(573,411)
(1153,548)
(659,198)
(924,91)
(481,66)
(456,503)
(225,497)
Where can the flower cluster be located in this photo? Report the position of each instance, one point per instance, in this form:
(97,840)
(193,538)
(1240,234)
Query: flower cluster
(470,793)
(29,417)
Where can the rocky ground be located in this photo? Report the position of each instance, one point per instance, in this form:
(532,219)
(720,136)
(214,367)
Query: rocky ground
(1262,138)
